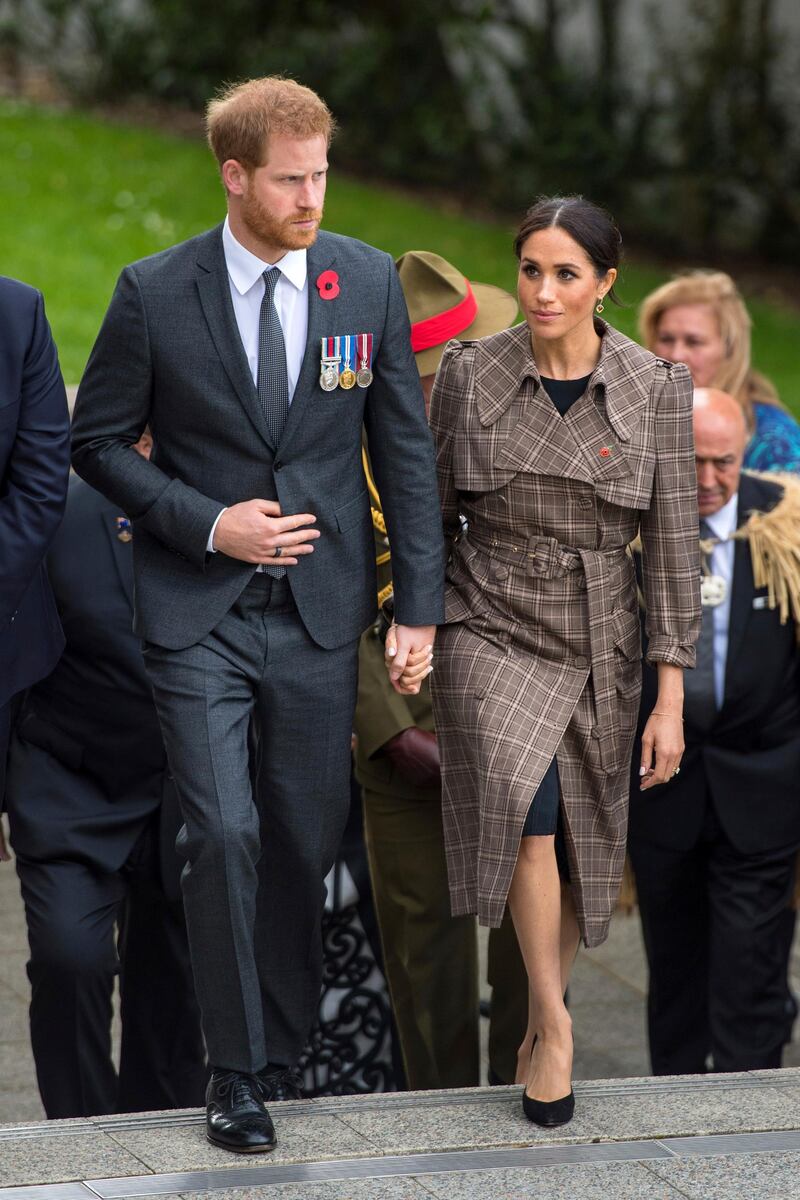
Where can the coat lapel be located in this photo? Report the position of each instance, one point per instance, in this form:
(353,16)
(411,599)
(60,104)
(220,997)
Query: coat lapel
(120,552)
(320,257)
(584,445)
(215,298)
(743,586)
(742,590)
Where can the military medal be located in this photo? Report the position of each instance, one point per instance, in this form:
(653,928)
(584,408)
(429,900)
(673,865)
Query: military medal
(347,379)
(713,590)
(364,373)
(124,529)
(329,364)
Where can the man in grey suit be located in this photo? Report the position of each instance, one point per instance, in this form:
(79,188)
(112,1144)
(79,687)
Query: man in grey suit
(255,352)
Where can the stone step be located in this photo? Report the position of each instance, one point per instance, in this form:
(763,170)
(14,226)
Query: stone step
(702,1137)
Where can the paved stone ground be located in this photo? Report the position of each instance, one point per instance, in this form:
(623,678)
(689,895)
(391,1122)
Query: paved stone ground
(606,1000)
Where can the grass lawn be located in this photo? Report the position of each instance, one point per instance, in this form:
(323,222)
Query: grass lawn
(81,197)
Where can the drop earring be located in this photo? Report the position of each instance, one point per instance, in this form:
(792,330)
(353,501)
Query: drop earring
(599,306)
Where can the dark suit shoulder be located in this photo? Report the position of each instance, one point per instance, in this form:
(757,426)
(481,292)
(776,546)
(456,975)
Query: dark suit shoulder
(16,296)
(184,256)
(348,247)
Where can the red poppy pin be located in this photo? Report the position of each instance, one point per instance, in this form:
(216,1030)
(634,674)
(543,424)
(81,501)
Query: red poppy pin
(605,452)
(328,285)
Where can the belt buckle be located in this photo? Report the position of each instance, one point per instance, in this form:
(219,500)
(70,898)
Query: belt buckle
(536,553)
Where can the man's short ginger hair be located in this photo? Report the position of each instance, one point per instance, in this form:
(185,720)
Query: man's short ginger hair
(241,119)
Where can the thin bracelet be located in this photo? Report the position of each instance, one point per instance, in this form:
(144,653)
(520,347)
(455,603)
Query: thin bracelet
(658,714)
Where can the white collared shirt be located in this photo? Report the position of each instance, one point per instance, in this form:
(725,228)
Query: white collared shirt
(246,279)
(722,525)
(245,276)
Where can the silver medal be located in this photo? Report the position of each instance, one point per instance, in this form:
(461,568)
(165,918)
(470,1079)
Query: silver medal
(329,377)
(329,366)
(364,377)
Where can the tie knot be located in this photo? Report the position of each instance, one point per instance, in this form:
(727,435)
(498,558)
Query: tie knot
(271,277)
(706,531)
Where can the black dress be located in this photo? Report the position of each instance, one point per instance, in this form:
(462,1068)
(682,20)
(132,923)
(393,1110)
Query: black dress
(543,814)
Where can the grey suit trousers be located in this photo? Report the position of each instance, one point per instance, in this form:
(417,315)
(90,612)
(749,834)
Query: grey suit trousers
(257,722)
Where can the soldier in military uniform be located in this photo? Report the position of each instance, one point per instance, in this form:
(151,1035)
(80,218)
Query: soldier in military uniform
(431,958)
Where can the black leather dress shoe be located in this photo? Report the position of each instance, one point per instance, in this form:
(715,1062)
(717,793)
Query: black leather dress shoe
(549,1113)
(236,1118)
(281,1083)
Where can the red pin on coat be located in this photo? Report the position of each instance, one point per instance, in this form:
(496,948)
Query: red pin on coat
(328,285)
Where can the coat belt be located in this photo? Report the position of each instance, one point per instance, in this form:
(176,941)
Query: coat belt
(547,558)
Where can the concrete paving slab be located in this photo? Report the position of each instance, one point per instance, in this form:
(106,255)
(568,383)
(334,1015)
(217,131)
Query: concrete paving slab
(593,1062)
(762,1176)
(606,1181)
(622,954)
(355,1189)
(610,1026)
(71,1156)
(694,1110)
(186,1148)
(494,1121)
(19,1095)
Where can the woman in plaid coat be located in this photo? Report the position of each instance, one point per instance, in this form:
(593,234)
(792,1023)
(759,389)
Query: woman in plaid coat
(558,441)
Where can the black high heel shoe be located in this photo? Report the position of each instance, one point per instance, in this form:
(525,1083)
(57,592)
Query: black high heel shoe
(549,1113)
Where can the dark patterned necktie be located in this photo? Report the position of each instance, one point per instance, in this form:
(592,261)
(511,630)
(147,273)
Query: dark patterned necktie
(273,379)
(700,700)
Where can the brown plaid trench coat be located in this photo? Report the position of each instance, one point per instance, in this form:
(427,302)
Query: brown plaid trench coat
(541,652)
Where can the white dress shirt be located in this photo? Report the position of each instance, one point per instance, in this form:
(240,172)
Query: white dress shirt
(245,276)
(722,525)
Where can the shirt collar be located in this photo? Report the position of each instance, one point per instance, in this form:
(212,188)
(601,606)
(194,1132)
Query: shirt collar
(245,268)
(723,523)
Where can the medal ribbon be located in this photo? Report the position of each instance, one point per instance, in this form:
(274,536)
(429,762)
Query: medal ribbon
(444,326)
(364,350)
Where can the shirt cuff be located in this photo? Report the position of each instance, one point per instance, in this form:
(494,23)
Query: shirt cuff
(210,543)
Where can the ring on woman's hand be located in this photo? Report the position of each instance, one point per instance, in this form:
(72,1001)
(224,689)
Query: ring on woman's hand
(677,771)
(278,552)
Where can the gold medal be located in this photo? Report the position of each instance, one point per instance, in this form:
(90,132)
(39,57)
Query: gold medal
(347,379)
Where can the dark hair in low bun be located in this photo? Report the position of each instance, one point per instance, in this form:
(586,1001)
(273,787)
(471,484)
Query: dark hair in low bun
(591,226)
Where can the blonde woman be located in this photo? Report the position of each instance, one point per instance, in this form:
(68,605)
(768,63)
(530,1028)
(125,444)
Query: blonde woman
(701,320)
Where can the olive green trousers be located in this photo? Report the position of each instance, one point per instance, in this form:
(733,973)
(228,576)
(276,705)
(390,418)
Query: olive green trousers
(431,957)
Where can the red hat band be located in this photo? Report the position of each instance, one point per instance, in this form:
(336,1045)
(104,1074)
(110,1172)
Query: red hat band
(434,331)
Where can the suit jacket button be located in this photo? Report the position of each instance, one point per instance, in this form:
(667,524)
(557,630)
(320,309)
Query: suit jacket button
(584,502)
(277,466)
(581,662)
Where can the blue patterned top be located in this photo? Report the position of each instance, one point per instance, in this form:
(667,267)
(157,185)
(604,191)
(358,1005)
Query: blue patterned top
(775,445)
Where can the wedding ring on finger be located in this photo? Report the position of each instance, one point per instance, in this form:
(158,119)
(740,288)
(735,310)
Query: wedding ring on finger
(277,552)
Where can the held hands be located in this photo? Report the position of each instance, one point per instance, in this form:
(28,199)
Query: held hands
(408,656)
(253,530)
(662,749)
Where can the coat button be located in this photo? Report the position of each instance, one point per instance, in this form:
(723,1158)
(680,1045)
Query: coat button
(584,502)
(581,662)
(277,466)
(500,573)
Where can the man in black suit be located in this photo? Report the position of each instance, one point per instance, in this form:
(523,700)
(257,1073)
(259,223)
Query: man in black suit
(257,352)
(93,821)
(714,851)
(34,466)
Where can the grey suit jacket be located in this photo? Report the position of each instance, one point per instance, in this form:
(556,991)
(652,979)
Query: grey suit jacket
(169,354)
